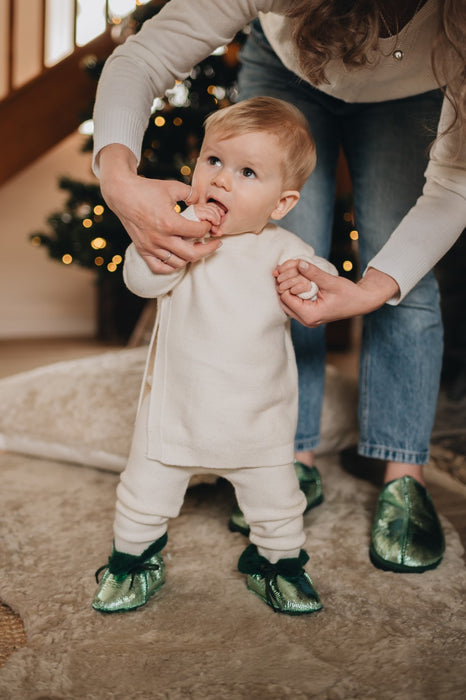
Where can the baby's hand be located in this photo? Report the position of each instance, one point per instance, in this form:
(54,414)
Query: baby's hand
(289,278)
(213,214)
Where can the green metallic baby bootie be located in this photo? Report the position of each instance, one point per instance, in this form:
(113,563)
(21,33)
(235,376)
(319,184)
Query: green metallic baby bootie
(285,586)
(310,484)
(129,581)
(406,536)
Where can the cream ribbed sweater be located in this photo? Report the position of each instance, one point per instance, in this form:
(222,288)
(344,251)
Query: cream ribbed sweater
(221,368)
(184,33)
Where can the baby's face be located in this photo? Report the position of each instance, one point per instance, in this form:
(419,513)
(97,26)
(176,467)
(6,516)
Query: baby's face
(242,176)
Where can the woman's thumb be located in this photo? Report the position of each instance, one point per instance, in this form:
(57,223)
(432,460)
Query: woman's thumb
(312,272)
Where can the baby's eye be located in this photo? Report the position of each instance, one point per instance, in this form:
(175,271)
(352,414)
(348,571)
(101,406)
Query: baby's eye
(248,172)
(213,160)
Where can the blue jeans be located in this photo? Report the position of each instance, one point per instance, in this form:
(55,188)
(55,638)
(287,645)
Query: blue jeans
(386,146)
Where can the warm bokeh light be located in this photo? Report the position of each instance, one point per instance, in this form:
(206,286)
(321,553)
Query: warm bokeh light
(87,127)
(98,243)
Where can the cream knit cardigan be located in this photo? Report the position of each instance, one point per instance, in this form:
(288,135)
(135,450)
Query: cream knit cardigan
(187,31)
(221,369)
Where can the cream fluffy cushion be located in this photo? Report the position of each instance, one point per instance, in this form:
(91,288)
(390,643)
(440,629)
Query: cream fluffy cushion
(83,411)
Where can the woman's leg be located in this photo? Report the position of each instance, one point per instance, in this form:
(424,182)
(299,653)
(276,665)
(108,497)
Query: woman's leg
(386,145)
(262,73)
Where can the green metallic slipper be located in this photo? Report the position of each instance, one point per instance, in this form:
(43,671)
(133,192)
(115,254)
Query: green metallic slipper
(285,586)
(129,581)
(310,484)
(407,536)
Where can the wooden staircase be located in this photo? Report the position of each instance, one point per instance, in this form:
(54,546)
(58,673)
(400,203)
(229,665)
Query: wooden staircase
(38,114)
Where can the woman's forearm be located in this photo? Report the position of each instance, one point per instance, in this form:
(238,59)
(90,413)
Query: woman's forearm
(116,164)
(378,288)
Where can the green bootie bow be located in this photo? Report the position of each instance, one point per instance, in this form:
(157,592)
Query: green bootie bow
(129,581)
(284,586)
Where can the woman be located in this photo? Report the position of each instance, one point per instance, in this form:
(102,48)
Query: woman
(368,76)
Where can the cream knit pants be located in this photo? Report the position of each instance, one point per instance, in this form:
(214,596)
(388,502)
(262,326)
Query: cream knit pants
(150,493)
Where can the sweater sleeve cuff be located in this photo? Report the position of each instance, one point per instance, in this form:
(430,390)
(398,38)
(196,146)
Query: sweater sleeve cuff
(124,128)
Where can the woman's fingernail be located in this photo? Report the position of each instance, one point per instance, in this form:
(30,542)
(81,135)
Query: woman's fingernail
(303,265)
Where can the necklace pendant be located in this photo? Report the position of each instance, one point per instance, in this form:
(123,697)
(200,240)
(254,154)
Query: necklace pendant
(397,54)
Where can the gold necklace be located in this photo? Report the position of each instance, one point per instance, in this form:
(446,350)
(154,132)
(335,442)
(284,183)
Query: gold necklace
(398,54)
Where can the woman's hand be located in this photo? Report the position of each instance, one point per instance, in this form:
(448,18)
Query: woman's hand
(337,298)
(146,208)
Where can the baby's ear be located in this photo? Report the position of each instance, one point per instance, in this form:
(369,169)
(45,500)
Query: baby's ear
(287,201)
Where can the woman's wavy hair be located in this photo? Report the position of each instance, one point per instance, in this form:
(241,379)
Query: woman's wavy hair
(349,30)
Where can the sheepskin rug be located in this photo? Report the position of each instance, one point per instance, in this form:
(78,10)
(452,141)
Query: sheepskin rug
(380,636)
(83,410)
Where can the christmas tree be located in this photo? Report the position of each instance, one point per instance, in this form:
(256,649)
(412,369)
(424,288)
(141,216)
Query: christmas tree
(88,234)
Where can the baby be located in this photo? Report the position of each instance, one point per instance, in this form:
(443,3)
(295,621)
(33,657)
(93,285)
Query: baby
(220,390)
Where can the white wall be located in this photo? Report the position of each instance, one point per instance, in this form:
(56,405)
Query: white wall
(40,297)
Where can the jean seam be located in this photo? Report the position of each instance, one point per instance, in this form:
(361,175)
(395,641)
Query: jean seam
(364,367)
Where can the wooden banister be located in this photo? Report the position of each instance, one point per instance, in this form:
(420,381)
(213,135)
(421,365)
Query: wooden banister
(48,108)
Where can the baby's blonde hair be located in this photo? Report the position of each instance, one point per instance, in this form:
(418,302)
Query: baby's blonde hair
(276,117)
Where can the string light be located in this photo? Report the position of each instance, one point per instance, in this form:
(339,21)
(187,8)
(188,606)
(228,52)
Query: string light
(354,235)
(98,261)
(99,210)
(87,127)
(347,265)
(98,243)
(178,95)
(185,170)
(87,223)
(159,121)
(157,104)
(67,259)
(216,91)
